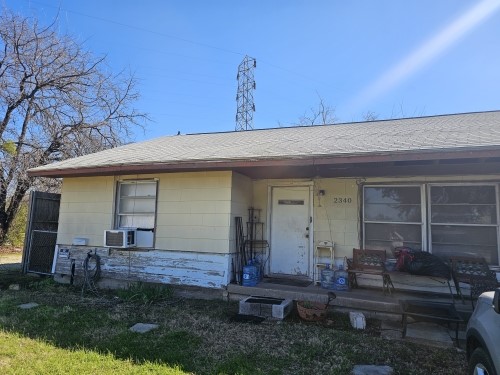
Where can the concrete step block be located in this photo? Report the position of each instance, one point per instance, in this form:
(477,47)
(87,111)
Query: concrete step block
(266,307)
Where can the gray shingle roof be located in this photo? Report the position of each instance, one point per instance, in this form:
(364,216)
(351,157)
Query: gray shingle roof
(446,132)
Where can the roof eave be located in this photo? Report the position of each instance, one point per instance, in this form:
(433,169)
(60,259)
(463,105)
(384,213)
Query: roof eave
(182,166)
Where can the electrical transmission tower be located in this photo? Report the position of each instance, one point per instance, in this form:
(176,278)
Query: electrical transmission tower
(244,97)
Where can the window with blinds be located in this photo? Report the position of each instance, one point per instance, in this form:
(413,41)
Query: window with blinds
(463,221)
(445,219)
(136,208)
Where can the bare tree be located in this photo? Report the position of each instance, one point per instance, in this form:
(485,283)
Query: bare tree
(320,115)
(370,116)
(56,101)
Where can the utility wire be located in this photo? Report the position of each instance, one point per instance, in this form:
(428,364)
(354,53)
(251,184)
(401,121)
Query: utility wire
(140,28)
(185,40)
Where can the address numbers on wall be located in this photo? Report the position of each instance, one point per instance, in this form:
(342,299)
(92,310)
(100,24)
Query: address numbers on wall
(341,200)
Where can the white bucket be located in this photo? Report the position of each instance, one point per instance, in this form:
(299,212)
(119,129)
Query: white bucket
(358,320)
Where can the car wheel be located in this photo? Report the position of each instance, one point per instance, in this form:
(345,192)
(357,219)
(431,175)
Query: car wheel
(480,363)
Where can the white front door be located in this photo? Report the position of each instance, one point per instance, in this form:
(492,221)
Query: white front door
(290,223)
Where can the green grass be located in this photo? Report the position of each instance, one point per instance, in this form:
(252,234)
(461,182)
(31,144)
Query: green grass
(21,355)
(70,334)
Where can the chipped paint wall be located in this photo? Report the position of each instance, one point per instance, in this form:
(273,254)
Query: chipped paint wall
(193,226)
(195,234)
(156,266)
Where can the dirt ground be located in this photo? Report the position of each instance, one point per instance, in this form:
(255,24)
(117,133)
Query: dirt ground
(10,255)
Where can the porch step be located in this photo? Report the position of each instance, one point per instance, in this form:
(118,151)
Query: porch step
(372,302)
(388,307)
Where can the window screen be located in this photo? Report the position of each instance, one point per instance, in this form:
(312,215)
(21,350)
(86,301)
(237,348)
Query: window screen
(392,217)
(463,221)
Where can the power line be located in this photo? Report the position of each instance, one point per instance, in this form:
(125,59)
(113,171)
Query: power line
(139,28)
(289,71)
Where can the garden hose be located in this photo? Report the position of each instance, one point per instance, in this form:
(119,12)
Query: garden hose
(91,272)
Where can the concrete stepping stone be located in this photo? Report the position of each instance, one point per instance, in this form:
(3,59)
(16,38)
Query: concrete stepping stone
(26,306)
(372,370)
(422,332)
(143,327)
(430,332)
(391,330)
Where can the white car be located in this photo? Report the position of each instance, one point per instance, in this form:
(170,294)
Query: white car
(483,335)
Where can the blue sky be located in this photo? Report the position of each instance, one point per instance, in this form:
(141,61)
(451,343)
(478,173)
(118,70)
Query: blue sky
(392,58)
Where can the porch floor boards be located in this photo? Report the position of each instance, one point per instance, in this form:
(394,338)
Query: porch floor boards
(373,302)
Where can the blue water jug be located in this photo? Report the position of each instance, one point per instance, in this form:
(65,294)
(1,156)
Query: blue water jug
(250,276)
(327,278)
(341,279)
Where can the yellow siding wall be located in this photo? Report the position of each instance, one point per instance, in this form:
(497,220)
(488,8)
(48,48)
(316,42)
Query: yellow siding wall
(193,210)
(196,210)
(86,209)
(337,213)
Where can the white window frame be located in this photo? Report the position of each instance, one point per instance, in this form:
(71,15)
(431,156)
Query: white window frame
(444,184)
(141,242)
(425,194)
(423,211)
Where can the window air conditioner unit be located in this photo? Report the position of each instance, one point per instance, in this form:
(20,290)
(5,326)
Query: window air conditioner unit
(120,238)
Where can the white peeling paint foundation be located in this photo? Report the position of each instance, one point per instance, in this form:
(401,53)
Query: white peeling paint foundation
(205,270)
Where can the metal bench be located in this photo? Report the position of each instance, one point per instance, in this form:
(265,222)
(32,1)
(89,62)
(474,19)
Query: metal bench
(370,262)
(430,311)
(475,272)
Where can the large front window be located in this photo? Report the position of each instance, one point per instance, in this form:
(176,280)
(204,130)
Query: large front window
(463,220)
(445,219)
(392,214)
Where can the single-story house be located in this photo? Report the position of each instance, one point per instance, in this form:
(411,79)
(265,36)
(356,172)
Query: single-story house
(429,183)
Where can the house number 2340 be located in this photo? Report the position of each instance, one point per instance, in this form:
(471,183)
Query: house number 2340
(339,200)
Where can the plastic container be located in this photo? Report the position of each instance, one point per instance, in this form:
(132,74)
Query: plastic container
(341,279)
(257,264)
(250,276)
(357,319)
(327,278)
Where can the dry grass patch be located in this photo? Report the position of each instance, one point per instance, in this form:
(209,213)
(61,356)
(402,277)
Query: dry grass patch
(9,255)
(199,336)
